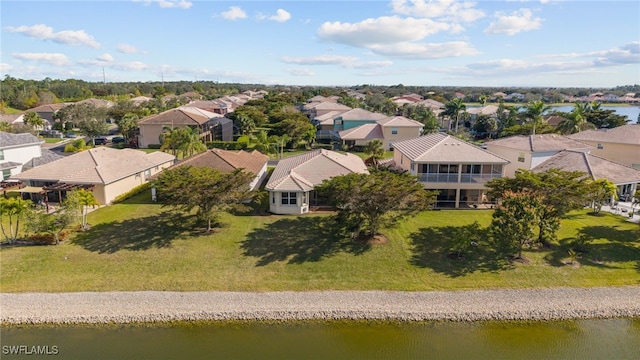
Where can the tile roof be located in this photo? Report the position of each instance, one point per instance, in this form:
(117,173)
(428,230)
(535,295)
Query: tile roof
(327,106)
(443,148)
(227,161)
(11,118)
(484,110)
(327,119)
(102,165)
(48,107)
(399,121)
(625,134)
(363,132)
(180,116)
(361,114)
(9,140)
(46,157)
(304,171)
(596,167)
(96,102)
(539,142)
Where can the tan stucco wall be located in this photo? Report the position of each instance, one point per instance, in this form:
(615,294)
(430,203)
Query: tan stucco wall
(276,206)
(626,154)
(259,178)
(511,155)
(404,133)
(114,189)
(149,134)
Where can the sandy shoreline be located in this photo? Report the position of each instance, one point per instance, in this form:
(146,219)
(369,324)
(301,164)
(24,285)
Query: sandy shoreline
(162,306)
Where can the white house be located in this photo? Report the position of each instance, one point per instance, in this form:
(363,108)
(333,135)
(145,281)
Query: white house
(16,150)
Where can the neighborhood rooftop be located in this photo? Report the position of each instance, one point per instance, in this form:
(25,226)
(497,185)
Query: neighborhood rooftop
(8,140)
(625,134)
(596,167)
(181,116)
(228,161)
(443,148)
(539,142)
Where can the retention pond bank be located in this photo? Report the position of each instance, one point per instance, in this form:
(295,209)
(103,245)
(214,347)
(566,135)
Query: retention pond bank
(476,305)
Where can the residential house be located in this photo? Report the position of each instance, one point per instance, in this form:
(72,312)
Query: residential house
(527,152)
(455,168)
(487,110)
(97,102)
(625,177)
(620,144)
(138,100)
(354,118)
(107,172)
(389,130)
(203,121)
(17,150)
(292,182)
(324,124)
(228,161)
(12,119)
(314,110)
(213,106)
(47,112)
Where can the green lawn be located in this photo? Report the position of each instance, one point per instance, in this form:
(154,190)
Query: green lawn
(52,140)
(138,246)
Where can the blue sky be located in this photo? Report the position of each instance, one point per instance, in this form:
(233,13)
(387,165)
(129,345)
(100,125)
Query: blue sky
(412,42)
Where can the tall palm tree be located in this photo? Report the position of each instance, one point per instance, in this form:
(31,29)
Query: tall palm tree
(34,120)
(375,149)
(453,109)
(169,139)
(533,112)
(265,143)
(189,142)
(577,120)
(14,208)
(83,198)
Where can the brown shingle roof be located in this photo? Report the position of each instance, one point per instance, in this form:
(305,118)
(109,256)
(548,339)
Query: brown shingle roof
(625,134)
(180,116)
(596,167)
(304,171)
(228,161)
(539,142)
(443,148)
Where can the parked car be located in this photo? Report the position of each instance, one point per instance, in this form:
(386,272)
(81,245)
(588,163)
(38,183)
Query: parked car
(70,135)
(118,140)
(101,140)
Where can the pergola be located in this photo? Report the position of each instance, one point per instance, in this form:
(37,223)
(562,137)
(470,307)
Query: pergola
(61,187)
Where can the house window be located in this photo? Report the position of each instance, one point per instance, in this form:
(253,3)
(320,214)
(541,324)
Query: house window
(394,131)
(6,174)
(599,147)
(289,198)
(273,198)
(147,173)
(521,157)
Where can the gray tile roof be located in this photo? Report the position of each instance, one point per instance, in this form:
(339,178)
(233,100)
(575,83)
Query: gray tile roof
(9,140)
(227,161)
(304,171)
(443,148)
(47,157)
(596,167)
(626,134)
(539,142)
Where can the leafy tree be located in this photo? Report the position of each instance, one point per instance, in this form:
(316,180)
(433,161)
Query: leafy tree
(375,149)
(5,127)
(350,101)
(15,209)
(55,223)
(485,124)
(170,139)
(281,142)
(190,142)
(76,146)
(205,189)
(453,110)
(514,219)
(245,124)
(128,125)
(368,202)
(602,118)
(576,121)
(601,191)
(559,191)
(296,128)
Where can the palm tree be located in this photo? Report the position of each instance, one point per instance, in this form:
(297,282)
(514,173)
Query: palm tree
(577,121)
(34,120)
(282,142)
(375,149)
(265,143)
(14,208)
(483,99)
(83,198)
(453,109)
(533,112)
(169,139)
(189,142)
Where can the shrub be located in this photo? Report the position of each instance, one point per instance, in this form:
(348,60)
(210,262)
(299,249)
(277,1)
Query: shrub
(153,146)
(227,145)
(135,191)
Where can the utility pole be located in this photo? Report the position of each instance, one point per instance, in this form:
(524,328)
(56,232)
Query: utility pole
(104,78)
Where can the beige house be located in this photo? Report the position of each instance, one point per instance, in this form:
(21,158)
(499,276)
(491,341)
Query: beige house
(620,144)
(227,161)
(321,108)
(388,130)
(108,172)
(294,178)
(151,127)
(625,177)
(456,169)
(526,152)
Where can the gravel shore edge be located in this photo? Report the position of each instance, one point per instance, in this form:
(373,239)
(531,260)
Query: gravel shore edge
(473,305)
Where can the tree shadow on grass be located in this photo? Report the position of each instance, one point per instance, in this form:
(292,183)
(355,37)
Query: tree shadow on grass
(155,231)
(431,249)
(299,240)
(622,245)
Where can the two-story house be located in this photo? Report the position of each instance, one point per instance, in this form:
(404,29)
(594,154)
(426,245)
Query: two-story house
(389,130)
(17,150)
(620,144)
(455,168)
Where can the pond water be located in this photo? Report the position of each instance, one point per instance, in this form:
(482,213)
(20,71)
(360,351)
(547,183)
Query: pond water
(631,112)
(579,339)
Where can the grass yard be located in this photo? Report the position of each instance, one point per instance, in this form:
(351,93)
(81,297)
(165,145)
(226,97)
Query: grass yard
(139,246)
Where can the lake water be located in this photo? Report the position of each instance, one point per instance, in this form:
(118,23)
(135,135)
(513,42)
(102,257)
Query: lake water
(580,339)
(631,112)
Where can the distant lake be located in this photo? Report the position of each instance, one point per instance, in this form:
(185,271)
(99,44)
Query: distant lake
(579,339)
(631,112)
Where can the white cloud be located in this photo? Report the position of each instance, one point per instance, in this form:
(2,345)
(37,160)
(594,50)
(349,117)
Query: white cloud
(382,30)
(234,13)
(5,67)
(128,49)
(408,50)
(49,58)
(281,16)
(448,10)
(511,24)
(627,54)
(167,4)
(319,60)
(300,72)
(105,58)
(44,32)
